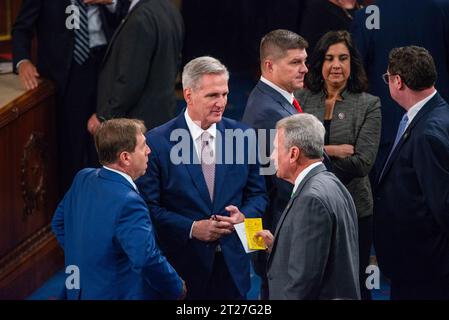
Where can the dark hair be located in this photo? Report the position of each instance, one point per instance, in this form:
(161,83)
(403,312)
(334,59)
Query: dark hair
(414,65)
(276,43)
(357,82)
(116,136)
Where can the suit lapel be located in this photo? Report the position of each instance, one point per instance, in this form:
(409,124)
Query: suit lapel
(424,110)
(119,29)
(194,167)
(277,97)
(312,173)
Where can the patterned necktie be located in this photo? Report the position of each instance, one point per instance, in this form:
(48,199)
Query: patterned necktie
(81,48)
(401,129)
(208,162)
(296,105)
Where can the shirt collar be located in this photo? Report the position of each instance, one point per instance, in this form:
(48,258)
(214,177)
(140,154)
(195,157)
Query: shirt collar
(195,130)
(124,175)
(413,111)
(285,94)
(303,174)
(133,3)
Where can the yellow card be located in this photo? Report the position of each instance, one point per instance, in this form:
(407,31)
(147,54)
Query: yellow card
(252,226)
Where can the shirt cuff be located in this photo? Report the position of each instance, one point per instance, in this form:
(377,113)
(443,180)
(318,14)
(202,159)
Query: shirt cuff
(20,62)
(191,228)
(112,6)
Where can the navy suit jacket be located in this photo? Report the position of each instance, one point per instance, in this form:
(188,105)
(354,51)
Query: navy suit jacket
(402,23)
(411,217)
(105,230)
(177,195)
(265,107)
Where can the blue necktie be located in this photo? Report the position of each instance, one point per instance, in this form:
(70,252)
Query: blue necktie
(81,48)
(401,129)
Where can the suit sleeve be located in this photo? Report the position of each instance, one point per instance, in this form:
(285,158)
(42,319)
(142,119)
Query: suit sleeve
(432,170)
(23,30)
(254,194)
(134,232)
(176,226)
(365,148)
(309,247)
(127,67)
(57,223)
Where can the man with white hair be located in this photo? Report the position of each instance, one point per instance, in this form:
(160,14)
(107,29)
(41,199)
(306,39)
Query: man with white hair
(196,202)
(314,251)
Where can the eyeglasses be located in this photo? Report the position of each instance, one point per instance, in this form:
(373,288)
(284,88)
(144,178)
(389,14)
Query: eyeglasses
(386,77)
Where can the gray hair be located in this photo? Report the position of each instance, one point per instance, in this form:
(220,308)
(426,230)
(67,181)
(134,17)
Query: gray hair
(304,131)
(196,68)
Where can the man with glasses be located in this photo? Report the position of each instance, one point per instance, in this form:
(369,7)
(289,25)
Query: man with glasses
(411,217)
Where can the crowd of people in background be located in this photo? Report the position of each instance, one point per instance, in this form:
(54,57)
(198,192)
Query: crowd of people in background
(361,146)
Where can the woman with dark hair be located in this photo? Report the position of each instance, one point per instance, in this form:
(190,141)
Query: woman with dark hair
(335,94)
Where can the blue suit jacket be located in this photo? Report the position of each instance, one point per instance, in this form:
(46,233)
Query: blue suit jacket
(411,217)
(402,23)
(177,195)
(105,230)
(265,107)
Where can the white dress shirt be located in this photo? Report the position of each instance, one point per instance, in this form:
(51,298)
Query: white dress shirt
(303,174)
(196,131)
(285,94)
(133,4)
(413,111)
(124,175)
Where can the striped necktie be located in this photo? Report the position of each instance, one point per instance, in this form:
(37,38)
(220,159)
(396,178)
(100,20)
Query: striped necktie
(208,162)
(81,48)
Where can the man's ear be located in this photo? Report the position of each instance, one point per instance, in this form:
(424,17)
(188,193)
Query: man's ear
(400,84)
(295,153)
(268,65)
(124,158)
(187,92)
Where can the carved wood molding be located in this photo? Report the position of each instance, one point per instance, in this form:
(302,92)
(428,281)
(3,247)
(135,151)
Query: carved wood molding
(33,173)
(25,251)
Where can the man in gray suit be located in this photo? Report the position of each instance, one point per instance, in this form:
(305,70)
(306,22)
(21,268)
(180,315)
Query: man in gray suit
(314,251)
(138,75)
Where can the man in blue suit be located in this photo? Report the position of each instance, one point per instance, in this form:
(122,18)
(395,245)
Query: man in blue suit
(401,23)
(411,218)
(199,185)
(104,227)
(282,60)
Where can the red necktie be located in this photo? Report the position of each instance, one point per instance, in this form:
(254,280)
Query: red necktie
(296,105)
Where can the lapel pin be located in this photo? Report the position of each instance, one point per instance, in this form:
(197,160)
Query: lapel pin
(341,116)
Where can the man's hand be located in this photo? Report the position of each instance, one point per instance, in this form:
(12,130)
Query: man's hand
(28,75)
(267,237)
(210,230)
(184,291)
(92,124)
(235,216)
(98,1)
(339,151)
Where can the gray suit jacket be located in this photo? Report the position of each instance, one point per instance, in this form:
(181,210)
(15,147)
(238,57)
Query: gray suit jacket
(137,79)
(315,249)
(357,121)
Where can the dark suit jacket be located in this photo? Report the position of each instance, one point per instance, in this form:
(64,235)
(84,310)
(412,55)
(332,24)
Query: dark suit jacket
(402,23)
(138,76)
(55,41)
(315,248)
(177,195)
(264,108)
(411,217)
(356,120)
(104,228)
